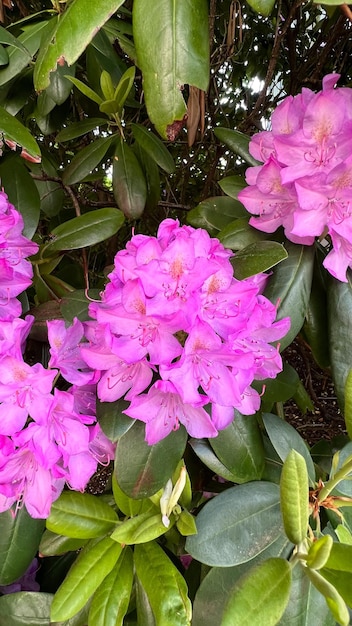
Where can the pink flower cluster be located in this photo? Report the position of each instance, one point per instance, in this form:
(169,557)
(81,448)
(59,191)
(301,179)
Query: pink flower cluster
(305,183)
(47,437)
(178,336)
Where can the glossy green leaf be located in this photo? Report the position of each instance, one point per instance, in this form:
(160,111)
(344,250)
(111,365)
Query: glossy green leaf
(278,389)
(15,131)
(334,600)
(52,544)
(141,470)
(85,230)
(341,581)
(264,7)
(294,496)
(186,524)
(86,90)
(204,452)
(19,540)
(331,3)
(112,420)
(240,448)
(77,129)
(215,213)
(264,591)
(124,87)
(258,257)
(232,185)
(129,185)
(151,175)
(290,286)
(237,142)
(237,525)
(140,529)
(81,515)
(61,45)
(129,506)
(340,558)
(319,552)
(239,234)
(85,161)
(4,57)
(172,46)
(25,607)
(22,192)
(306,606)
(19,58)
(316,322)
(154,147)
(285,438)
(60,87)
(76,304)
(340,333)
(163,584)
(92,565)
(348,404)
(111,599)
(7,38)
(106,85)
(215,588)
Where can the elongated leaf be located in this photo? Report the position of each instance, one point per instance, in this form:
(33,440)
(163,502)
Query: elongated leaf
(340,333)
(22,192)
(316,323)
(85,161)
(142,470)
(240,448)
(129,185)
(232,185)
(264,591)
(93,564)
(239,234)
(340,558)
(216,213)
(15,131)
(140,529)
(110,601)
(19,540)
(285,438)
(348,404)
(25,607)
(294,496)
(204,452)
(154,147)
(163,584)
(76,304)
(77,129)
(341,581)
(85,230)
(258,257)
(290,286)
(237,525)
(319,552)
(112,420)
(237,142)
(332,597)
(129,506)
(61,45)
(81,516)
(124,87)
(52,544)
(7,38)
(172,45)
(19,58)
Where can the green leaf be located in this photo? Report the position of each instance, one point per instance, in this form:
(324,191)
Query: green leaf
(124,87)
(79,17)
(213,593)
(22,192)
(237,142)
(77,129)
(294,497)
(232,185)
(278,389)
(264,7)
(60,87)
(111,599)
(151,175)
(163,584)
(129,185)
(186,524)
(54,545)
(319,552)
(81,516)
(172,46)
(215,213)
(19,540)
(204,452)
(264,591)
(85,161)
(340,333)
(239,234)
(106,85)
(25,607)
(332,597)
(4,57)
(290,286)
(316,322)
(76,304)
(15,131)
(258,257)
(140,529)
(129,506)
(285,438)
(86,90)
(240,448)
(7,38)
(141,470)
(348,404)
(92,565)
(85,230)
(237,525)
(306,606)
(154,147)
(340,558)
(341,581)
(19,58)
(112,420)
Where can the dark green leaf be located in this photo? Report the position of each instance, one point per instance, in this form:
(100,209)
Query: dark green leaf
(141,470)
(215,213)
(54,545)
(77,129)
(204,452)
(124,87)
(258,257)
(111,419)
(85,230)
(129,506)
(22,192)
(237,142)
(278,389)
(237,525)
(19,540)
(31,608)
(154,147)
(232,185)
(7,38)
(76,304)
(129,185)
(239,234)
(19,58)
(348,404)
(85,161)
(15,131)
(316,322)
(172,46)
(81,516)
(340,333)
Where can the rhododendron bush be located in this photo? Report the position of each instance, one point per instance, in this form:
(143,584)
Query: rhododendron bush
(166,232)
